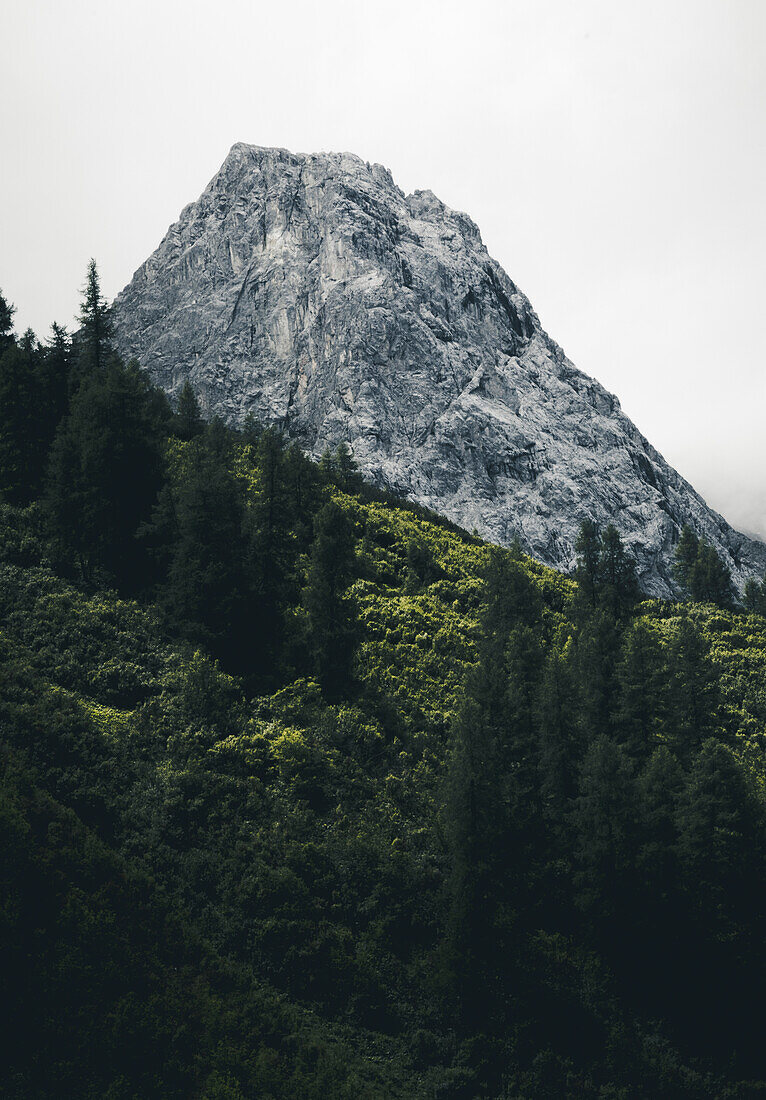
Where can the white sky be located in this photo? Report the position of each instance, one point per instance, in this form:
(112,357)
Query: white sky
(613,154)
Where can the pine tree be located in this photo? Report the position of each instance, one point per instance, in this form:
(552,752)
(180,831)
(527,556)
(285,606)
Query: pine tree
(187,422)
(6,323)
(55,369)
(21,453)
(588,569)
(617,569)
(303,494)
(346,470)
(475,818)
(753,596)
(684,558)
(94,340)
(272,549)
(206,592)
(560,748)
(720,825)
(719,841)
(597,654)
(693,690)
(331,611)
(709,578)
(659,786)
(105,471)
(604,822)
(641,698)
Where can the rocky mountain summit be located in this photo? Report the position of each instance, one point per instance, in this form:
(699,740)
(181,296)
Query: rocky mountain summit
(310,291)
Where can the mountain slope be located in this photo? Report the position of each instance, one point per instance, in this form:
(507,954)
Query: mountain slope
(310,291)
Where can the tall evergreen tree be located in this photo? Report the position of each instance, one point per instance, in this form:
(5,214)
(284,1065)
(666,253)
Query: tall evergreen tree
(604,823)
(693,690)
(560,749)
(272,548)
(709,578)
(619,582)
(21,452)
(94,340)
(754,597)
(588,569)
(331,611)
(6,323)
(105,471)
(684,558)
(641,698)
(187,422)
(206,592)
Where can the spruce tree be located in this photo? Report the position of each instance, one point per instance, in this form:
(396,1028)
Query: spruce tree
(693,690)
(617,568)
(603,819)
(475,820)
(684,558)
(271,548)
(588,569)
(641,697)
(105,471)
(206,593)
(94,340)
(187,421)
(560,748)
(709,578)
(21,448)
(6,323)
(332,617)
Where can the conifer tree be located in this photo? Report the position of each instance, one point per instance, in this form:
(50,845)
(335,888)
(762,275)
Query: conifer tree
(641,698)
(710,578)
(588,570)
(719,844)
(105,471)
(303,493)
(604,822)
(597,654)
(187,422)
(560,748)
(271,549)
(55,369)
(684,558)
(476,820)
(21,452)
(693,690)
(658,788)
(754,597)
(346,470)
(331,611)
(6,323)
(94,340)
(617,574)
(204,590)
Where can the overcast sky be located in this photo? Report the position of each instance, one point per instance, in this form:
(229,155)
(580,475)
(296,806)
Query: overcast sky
(613,154)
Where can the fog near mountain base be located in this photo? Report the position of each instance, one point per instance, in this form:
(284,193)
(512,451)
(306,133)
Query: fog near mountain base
(612,155)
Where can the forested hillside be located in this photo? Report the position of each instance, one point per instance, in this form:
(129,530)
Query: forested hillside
(308,793)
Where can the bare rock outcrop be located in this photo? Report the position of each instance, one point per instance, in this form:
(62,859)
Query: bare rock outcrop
(309,290)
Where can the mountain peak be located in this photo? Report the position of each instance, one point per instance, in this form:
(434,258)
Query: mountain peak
(309,290)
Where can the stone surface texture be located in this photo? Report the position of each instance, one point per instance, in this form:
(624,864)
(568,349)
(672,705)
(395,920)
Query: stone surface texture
(310,291)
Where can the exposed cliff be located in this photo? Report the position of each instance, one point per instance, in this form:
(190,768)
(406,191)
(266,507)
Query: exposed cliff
(311,291)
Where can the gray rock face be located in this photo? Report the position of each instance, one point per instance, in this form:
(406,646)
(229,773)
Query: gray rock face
(309,290)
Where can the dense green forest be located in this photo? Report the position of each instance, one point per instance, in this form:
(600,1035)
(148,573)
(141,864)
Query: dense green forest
(308,793)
